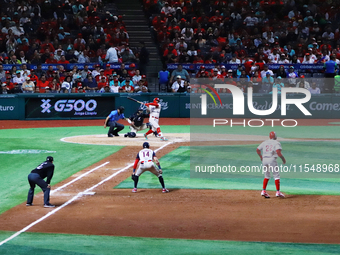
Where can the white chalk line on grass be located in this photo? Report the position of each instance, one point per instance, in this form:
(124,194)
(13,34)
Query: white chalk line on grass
(71,200)
(79,177)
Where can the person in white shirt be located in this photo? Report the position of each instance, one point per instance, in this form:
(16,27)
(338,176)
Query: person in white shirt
(147,160)
(137,77)
(112,55)
(274,57)
(234,60)
(271,149)
(265,70)
(28,86)
(18,78)
(314,89)
(25,72)
(178,83)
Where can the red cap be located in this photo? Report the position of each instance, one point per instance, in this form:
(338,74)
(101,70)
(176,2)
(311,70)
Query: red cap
(302,76)
(132,65)
(272,135)
(108,65)
(143,76)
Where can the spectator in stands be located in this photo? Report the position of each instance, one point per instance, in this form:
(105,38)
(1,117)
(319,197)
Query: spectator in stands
(42,84)
(136,78)
(303,83)
(96,71)
(106,89)
(66,86)
(115,87)
(54,85)
(127,81)
(331,68)
(281,72)
(102,83)
(112,55)
(177,84)
(33,76)
(292,77)
(314,89)
(90,84)
(127,88)
(265,71)
(2,74)
(18,79)
(163,78)
(179,71)
(128,56)
(24,71)
(278,84)
(28,86)
(85,72)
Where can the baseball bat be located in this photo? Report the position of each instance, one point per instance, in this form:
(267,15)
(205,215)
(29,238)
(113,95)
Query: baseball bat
(135,100)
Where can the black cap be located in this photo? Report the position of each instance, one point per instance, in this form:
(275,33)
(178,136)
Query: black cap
(49,158)
(121,109)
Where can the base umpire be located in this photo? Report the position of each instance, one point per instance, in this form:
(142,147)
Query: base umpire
(37,176)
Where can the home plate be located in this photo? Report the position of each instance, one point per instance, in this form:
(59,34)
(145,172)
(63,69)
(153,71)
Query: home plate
(88,193)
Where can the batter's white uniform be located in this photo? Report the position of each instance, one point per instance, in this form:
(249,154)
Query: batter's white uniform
(269,157)
(154,116)
(146,162)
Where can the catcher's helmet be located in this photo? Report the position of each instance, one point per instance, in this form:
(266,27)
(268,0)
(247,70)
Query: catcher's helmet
(272,135)
(49,158)
(146,145)
(156,100)
(121,109)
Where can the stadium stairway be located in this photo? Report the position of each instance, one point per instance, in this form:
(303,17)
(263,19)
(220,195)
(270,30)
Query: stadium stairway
(138,29)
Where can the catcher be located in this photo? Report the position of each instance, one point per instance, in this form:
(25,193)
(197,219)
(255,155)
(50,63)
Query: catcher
(137,123)
(146,158)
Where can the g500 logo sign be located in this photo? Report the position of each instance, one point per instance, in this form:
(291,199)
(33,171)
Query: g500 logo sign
(68,105)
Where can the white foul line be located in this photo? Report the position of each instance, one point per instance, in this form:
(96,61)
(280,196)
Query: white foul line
(79,177)
(71,200)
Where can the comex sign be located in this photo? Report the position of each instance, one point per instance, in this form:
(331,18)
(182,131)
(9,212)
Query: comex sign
(68,105)
(238,105)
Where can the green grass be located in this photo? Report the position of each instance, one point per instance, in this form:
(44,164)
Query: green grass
(39,244)
(69,158)
(330,132)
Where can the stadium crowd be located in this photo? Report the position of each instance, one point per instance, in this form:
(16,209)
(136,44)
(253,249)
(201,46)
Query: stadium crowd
(249,33)
(58,33)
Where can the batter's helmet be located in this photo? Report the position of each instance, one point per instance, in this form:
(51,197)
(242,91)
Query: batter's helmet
(49,158)
(146,145)
(156,100)
(272,135)
(121,109)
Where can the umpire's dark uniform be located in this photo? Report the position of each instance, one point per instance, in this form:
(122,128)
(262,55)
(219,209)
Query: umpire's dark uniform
(37,176)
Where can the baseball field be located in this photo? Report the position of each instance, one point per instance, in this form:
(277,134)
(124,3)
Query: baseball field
(96,212)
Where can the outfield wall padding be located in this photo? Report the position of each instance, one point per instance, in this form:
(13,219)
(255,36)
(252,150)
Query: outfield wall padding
(174,105)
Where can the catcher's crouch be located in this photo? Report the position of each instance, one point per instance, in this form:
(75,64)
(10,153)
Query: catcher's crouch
(137,123)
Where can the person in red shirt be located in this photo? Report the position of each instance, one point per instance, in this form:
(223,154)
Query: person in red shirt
(101,76)
(42,84)
(132,70)
(108,70)
(63,60)
(33,77)
(51,60)
(128,88)
(102,83)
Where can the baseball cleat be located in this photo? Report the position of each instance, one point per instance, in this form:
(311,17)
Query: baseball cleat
(163,139)
(279,194)
(134,190)
(265,194)
(146,137)
(126,135)
(165,190)
(49,206)
(110,135)
(29,204)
